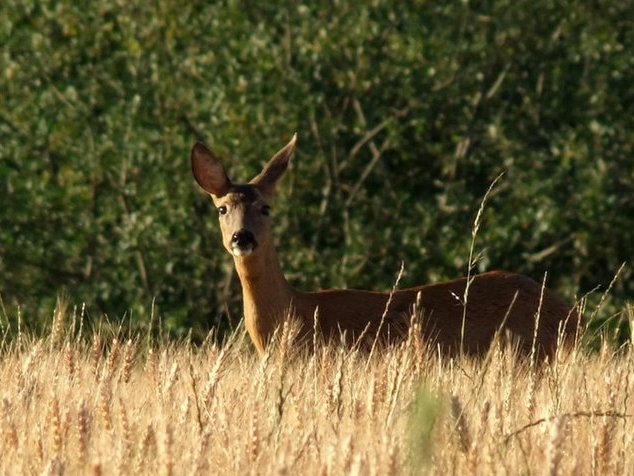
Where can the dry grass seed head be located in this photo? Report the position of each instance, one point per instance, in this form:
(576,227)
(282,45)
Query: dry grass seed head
(253,443)
(56,427)
(214,376)
(69,359)
(461,424)
(284,343)
(83,431)
(531,397)
(59,315)
(152,369)
(608,428)
(477,445)
(105,395)
(126,440)
(171,380)
(337,385)
(128,357)
(556,448)
(113,357)
(147,452)
(26,370)
(95,355)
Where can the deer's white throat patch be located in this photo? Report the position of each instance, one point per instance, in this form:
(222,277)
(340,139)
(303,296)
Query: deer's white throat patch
(237,251)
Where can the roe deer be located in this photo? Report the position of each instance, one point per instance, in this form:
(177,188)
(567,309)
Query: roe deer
(495,299)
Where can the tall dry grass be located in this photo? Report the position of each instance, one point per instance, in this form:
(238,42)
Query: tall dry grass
(107,404)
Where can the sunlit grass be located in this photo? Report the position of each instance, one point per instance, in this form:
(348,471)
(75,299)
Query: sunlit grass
(109,404)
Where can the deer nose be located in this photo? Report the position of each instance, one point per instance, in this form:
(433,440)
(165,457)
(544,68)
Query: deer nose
(243,238)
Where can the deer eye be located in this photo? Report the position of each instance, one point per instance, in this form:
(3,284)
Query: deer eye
(266,210)
(222,210)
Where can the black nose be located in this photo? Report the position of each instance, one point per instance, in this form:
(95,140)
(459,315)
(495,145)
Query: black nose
(243,238)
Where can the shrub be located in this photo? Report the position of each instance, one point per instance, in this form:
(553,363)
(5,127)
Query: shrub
(405,114)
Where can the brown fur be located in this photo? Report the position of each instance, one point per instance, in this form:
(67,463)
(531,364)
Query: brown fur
(495,299)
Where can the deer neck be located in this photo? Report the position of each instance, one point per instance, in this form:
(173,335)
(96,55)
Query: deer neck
(267,296)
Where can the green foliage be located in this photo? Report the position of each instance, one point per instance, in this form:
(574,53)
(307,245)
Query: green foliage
(405,114)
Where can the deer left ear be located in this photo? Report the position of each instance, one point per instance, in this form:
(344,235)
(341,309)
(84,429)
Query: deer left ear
(208,171)
(275,168)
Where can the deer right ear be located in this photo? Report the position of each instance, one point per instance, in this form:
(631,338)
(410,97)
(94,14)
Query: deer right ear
(208,171)
(275,168)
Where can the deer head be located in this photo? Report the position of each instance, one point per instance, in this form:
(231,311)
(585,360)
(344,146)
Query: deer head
(243,209)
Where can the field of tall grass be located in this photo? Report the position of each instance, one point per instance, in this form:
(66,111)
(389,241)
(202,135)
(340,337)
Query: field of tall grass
(104,402)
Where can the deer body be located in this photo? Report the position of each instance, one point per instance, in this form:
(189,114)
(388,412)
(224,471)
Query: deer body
(494,299)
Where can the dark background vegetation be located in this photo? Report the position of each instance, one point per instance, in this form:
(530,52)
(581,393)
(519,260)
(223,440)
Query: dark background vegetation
(405,111)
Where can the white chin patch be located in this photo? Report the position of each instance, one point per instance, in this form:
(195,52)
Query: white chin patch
(237,251)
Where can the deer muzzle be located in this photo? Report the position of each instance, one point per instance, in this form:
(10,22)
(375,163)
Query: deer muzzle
(243,243)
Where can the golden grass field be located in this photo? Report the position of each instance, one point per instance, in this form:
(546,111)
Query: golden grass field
(106,404)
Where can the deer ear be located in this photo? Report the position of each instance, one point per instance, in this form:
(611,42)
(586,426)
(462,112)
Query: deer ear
(275,168)
(208,171)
